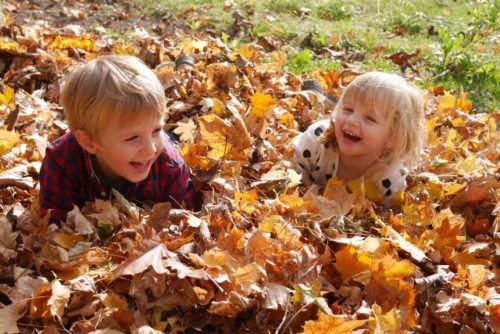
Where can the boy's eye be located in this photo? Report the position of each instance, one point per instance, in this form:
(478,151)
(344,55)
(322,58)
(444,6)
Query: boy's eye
(158,130)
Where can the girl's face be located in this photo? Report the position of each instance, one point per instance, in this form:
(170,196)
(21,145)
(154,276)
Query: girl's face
(129,151)
(360,130)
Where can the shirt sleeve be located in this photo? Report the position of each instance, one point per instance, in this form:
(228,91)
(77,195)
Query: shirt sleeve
(56,191)
(391,180)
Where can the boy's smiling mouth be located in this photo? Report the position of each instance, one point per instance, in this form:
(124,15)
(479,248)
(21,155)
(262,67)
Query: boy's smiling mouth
(141,165)
(351,136)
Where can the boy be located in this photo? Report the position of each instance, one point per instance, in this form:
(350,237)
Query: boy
(114,106)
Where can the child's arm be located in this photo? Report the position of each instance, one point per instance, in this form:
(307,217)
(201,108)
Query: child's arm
(56,191)
(391,180)
(310,155)
(178,187)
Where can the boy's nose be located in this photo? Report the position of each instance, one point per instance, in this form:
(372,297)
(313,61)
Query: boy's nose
(149,147)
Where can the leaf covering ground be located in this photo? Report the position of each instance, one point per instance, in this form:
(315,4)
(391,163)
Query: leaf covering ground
(265,254)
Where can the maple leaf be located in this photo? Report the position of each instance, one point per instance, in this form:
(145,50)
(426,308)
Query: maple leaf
(58,299)
(249,278)
(224,138)
(389,322)
(277,296)
(389,284)
(7,239)
(310,294)
(185,130)
(350,264)
(8,319)
(330,324)
(82,225)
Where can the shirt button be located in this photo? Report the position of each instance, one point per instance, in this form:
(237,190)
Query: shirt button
(103,193)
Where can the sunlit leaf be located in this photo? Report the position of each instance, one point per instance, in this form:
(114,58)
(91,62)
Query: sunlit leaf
(330,324)
(8,139)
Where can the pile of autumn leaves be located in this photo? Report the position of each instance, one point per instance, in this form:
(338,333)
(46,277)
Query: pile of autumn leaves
(265,254)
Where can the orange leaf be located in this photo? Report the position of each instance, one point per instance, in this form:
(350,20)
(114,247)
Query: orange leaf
(327,324)
(350,264)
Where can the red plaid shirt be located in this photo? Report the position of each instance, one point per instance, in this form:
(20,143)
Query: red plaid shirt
(67,178)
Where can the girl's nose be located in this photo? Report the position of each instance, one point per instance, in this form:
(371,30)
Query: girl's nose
(352,119)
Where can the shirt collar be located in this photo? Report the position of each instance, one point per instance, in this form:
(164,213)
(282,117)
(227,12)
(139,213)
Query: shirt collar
(90,167)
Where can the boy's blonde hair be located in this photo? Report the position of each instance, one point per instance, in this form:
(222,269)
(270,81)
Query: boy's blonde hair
(402,105)
(109,88)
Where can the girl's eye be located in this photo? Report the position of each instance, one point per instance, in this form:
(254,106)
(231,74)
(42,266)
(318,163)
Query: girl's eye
(156,131)
(371,119)
(348,110)
(131,138)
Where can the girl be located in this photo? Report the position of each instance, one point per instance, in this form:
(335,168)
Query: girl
(375,131)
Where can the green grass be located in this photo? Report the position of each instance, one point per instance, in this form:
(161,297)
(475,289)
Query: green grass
(457,40)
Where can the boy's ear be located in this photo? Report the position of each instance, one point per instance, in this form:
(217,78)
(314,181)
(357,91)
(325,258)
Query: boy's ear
(86,141)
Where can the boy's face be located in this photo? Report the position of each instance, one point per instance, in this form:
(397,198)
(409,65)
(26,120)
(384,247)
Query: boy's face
(360,130)
(128,151)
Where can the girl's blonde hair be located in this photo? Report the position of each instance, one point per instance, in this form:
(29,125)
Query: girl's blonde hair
(112,87)
(402,105)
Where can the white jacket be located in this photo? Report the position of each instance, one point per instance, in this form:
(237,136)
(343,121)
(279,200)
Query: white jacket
(318,163)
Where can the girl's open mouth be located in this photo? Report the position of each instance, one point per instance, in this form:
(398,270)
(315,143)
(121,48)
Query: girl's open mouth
(351,136)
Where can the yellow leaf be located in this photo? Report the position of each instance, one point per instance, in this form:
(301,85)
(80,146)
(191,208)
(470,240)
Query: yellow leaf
(246,201)
(267,224)
(452,188)
(467,166)
(249,277)
(260,104)
(114,301)
(84,43)
(8,139)
(7,97)
(224,138)
(249,51)
(195,156)
(326,324)
(191,45)
(293,201)
(219,258)
(366,187)
(388,322)
(349,263)
(445,102)
(218,108)
(67,240)
(477,276)
(463,103)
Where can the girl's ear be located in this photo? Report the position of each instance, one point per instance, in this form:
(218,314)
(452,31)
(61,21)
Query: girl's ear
(86,141)
(390,142)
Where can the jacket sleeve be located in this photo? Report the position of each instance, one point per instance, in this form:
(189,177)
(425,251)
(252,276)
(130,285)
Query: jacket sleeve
(391,180)
(309,154)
